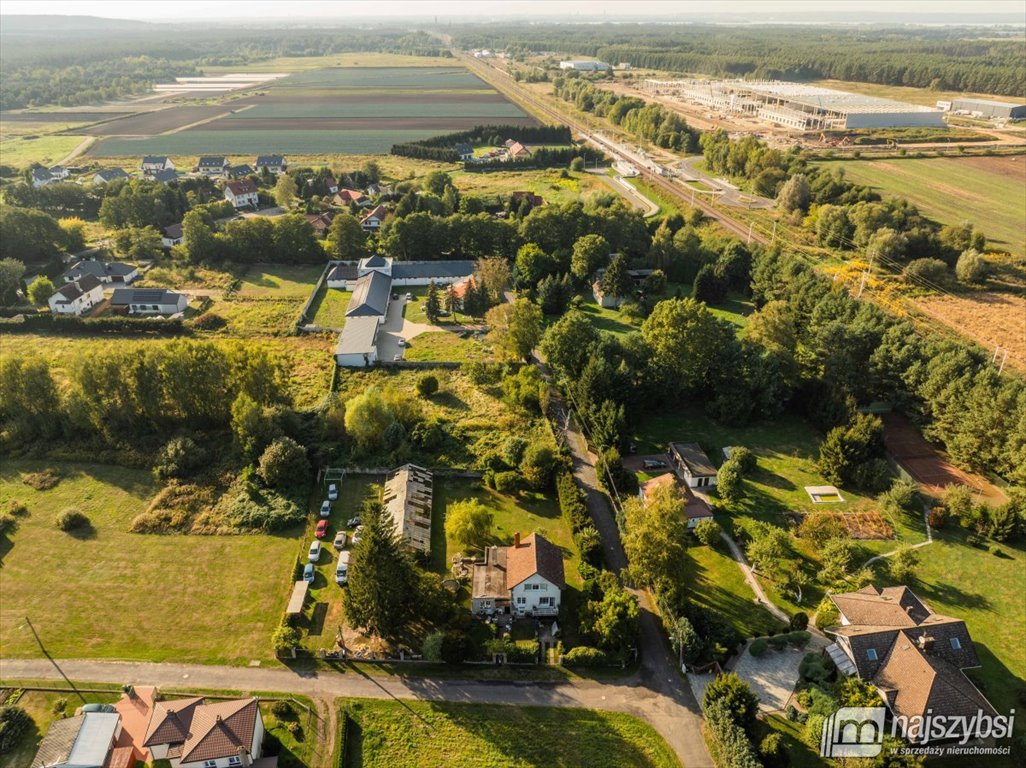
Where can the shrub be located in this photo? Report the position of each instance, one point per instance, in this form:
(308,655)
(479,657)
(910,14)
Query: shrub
(798,638)
(72,519)
(744,457)
(294,728)
(285,638)
(826,614)
(208,321)
(758,647)
(43,480)
(799,621)
(427,385)
(179,457)
(283,710)
(873,475)
(14,723)
(971,267)
(932,271)
(284,463)
(771,749)
(938,518)
(16,508)
(734,694)
(585,656)
(707,532)
(777,642)
(59,706)
(432,648)
(816,668)
(537,465)
(507,482)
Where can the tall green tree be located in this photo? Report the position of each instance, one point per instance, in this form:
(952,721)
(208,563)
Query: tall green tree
(590,252)
(432,303)
(568,343)
(616,281)
(40,290)
(516,328)
(382,593)
(11,272)
(200,245)
(655,535)
(285,190)
(469,523)
(345,237)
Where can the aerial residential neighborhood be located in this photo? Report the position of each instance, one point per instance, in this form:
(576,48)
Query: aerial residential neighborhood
(555,384)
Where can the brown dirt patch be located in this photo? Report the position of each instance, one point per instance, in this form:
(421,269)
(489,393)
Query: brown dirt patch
(152,123)
(866,525)
(1010,167)
(989,318)
(929,466)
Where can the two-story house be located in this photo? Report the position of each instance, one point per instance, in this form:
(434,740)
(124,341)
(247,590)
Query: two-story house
(242,193)
(190,733)
(76,297)
(525,579)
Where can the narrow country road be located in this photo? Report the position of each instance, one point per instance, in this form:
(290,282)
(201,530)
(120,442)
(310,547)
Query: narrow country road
(634,696)
(679,718)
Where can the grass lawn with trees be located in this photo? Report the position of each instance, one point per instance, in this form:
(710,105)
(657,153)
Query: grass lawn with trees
(399,734)
(167,596)
(329,308)
(447,347)
(527,512)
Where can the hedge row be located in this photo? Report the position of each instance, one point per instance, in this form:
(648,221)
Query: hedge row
(92,325)
(439,148)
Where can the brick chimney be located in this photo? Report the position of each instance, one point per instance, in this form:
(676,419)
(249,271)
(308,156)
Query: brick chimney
(516,539)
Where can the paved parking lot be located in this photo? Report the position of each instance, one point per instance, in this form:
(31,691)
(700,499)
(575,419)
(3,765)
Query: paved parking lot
(773,675)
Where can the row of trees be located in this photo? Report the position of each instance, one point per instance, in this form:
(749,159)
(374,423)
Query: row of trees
(126,394)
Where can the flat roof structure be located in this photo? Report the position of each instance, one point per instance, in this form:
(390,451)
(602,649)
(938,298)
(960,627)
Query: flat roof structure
(800,105)
(297,598)
(407,500)
(358,336)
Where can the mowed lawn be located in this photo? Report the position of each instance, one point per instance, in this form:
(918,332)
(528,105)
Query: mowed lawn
(527,512)
(115,594)
(395,734)
(990,192)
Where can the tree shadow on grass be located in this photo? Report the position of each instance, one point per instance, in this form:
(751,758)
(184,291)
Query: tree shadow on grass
(448,399)
(315,624)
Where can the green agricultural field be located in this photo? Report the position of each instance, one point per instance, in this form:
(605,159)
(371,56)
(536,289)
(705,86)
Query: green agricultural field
(549,184)
(382,78)
(303,63)
(251,142)
(418,734)
(109,593)
(47,150)
(488,111)
(990,192)
(526,512)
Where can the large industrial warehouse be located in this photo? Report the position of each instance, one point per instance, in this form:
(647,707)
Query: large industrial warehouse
(990,108)
(800,106)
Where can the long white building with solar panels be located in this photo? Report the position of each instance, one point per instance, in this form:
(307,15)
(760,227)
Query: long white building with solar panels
(799,106)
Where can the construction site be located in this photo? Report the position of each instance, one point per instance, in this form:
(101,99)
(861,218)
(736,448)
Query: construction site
(797,106)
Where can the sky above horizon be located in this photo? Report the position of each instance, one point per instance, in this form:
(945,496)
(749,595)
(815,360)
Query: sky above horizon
(930,11)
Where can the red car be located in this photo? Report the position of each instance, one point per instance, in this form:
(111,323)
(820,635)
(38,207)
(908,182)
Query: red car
(322,529)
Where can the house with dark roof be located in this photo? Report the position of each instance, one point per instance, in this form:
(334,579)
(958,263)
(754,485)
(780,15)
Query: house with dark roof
(371,294)
(379,190)
(153,163)
(272,163)
(407,500)
(41,177)
(358,342)
(331,183)
(913,657)
(172,235)
(82,741)
(692,464)
(242,193)
(165,176)
(104,271)
(108,175)
(59,173)
(320,222)
(464,150)
(148,301)
(525,579)
(212,165)
(190,733)
(76,297)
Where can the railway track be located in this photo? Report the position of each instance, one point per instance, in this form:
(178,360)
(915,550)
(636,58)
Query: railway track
(504,83)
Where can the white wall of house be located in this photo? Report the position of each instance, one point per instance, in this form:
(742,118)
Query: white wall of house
(706,481)
(86,301)
(159,309)
(240,201)
(536,595)
(167,242)
(428,280)
(358,359)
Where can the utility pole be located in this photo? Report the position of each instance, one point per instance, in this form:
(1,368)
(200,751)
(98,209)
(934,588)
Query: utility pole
(1003,359)
(52,661)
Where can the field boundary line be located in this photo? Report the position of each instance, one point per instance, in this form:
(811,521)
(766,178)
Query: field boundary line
(204,121)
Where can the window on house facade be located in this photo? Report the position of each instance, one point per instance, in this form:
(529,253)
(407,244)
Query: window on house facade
(210,764)
(521,601)
(956,644)
(871,654)
(543,587)
(234,760)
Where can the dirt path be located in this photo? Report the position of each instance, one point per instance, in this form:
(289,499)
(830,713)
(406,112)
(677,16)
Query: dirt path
(753,582)
(82,147)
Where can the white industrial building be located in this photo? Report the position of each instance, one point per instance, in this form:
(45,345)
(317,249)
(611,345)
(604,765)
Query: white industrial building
(580,65)
(800,106)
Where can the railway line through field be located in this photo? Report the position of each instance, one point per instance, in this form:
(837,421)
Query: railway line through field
(505,84)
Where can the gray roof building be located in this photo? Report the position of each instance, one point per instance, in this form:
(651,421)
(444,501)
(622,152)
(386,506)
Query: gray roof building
(103,270)
(160,296)
(71,291)
(407,500)
(164,176)
(83,741)
(109,174)
(358,337)
(693,457)
(412,270)
(370,296)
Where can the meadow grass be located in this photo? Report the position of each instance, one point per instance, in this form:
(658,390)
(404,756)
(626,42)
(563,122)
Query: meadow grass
(421,734)
(46,150)
(109,593)
(990,192)
(445,347)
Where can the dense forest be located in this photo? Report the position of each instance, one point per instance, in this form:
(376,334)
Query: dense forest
(70,67)
(957,59)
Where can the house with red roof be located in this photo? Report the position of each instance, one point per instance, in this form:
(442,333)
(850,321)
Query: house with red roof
(525,579)
(190,733)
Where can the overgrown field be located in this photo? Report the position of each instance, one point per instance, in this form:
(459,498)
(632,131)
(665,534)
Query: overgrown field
(420,734)
(990,192)
(47,150)
(113,594)
(350,110)
(989,318)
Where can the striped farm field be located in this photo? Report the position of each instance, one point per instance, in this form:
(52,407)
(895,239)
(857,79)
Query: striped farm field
(326,111)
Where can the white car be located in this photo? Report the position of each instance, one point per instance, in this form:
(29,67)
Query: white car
(332,492)
(315,552)
(402,342)
(409,297)
(340,541)
(325,508)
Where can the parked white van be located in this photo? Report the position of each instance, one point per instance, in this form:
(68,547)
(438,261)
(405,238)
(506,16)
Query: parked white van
(342,567)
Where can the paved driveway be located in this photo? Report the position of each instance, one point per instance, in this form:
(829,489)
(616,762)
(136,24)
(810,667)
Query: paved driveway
(773,675)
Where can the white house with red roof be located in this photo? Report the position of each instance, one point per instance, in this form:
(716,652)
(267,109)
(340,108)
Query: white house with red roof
(190,733)
(526,579)
(242,193)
